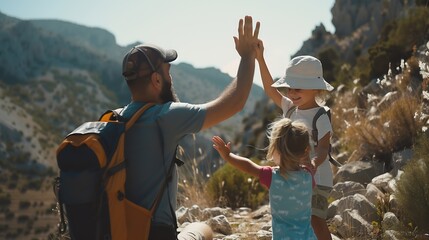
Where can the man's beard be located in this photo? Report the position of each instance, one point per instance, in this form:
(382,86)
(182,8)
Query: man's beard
(167,93)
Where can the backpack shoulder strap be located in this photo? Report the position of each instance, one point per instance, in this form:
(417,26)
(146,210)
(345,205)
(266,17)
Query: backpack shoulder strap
(290,111)
(114,115)
(137,115)
(111,115)
(320,112)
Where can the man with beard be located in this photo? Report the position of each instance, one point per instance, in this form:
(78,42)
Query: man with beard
(150,145)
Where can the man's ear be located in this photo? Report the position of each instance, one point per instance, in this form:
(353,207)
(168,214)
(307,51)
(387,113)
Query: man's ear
(155,79)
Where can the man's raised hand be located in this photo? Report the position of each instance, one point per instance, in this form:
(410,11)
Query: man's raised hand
(247,39)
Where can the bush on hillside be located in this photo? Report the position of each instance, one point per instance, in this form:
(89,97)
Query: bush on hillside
(413,187)
(5,200)
(234,188)
(396,42)
(329,58)
(24,204)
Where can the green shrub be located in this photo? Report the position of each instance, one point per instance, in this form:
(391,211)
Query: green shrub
(24,204)
(413,187)
(330,61)
(234,188)
(396,42)
(4,227)
(40,229)
(34,184)
(9,215)
(23,218)
(5,199)
(12,185)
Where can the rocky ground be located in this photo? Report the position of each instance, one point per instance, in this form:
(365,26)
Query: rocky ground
(362,206)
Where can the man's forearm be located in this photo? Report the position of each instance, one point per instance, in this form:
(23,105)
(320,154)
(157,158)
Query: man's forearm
(244,81)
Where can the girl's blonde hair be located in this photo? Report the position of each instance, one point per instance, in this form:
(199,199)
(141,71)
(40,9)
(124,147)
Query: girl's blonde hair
(290,140)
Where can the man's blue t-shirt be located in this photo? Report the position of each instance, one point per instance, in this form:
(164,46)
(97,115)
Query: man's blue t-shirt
(150,145)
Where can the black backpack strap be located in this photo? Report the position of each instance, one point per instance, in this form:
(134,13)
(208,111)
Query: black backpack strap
(290,111)
(167,179)
(155,203)
(62,226)
(315,132)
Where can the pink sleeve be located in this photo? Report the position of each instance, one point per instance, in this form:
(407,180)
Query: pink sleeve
(312,175)
(265,176)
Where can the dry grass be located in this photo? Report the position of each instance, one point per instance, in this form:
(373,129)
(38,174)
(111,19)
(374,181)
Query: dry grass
(191,189)
(193,193)
(393,130)
(376,125)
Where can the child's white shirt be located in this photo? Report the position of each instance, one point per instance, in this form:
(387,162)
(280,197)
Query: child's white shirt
(323,175)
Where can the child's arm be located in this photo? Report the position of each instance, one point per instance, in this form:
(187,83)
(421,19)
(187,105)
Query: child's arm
(267,79)
(321,150)
(241,163)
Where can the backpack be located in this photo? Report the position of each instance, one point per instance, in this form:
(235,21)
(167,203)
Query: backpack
(90,188)
(315,132)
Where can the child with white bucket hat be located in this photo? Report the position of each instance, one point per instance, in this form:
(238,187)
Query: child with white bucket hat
(297,93)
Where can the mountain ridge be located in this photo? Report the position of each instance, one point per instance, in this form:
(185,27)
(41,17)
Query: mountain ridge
(60,74)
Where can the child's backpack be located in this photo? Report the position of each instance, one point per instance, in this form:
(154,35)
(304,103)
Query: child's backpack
(315,132)
(91,185)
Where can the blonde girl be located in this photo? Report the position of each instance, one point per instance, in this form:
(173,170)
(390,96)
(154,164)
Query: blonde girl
(289,183)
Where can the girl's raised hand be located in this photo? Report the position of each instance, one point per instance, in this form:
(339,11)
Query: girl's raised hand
(220,146)
(259,50)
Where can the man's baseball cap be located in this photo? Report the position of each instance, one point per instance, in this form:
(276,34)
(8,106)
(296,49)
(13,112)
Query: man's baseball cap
(146,57)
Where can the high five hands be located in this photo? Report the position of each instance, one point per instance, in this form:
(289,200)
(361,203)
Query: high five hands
(247,40)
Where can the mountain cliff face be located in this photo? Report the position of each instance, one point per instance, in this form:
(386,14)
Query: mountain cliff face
(358,25)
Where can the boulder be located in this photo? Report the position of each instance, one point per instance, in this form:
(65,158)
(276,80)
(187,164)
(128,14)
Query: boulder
(373,194)
(360,204)
(390,221)
(359,171)
(382,181)
(343,189)
(220,224)
(354,226)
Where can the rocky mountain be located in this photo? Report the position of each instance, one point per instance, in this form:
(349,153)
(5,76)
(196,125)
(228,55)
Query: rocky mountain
(358,25)
(55,75)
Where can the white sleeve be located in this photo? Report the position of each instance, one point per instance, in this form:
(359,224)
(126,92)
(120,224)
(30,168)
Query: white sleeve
(286,104)
(323,126)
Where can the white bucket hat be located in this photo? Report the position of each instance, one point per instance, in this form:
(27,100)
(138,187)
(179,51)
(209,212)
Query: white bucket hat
(303,72)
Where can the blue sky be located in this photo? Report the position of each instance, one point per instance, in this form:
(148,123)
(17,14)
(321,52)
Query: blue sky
(200,30)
